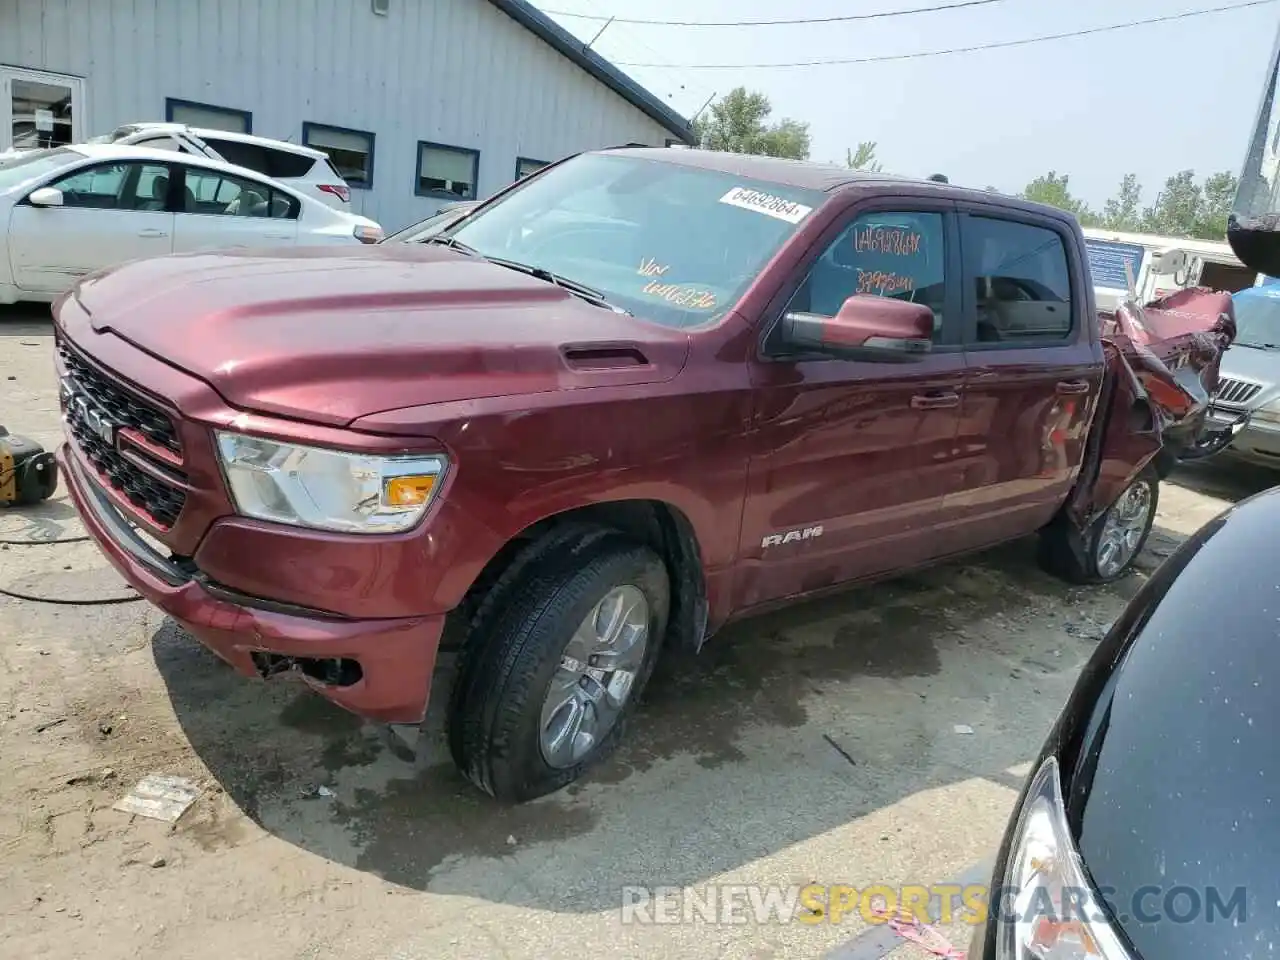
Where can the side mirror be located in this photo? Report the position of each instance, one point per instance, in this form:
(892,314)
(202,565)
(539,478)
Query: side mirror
(1169,261)
(865,328)
(46,197)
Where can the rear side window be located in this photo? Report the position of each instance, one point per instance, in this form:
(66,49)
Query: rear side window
(219,194)
(265,160)
(1022,284)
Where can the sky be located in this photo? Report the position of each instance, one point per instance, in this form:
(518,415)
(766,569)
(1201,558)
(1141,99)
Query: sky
(1151,100)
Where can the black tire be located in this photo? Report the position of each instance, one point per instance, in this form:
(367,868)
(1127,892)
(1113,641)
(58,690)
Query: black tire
(514,649)
(1072,554)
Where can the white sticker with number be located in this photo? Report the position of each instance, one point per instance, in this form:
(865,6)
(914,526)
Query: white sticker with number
(766,203)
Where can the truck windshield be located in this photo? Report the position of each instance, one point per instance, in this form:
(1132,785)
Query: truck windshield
(671,243)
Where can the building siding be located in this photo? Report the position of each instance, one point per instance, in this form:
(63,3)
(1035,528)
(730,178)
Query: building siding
(457,72)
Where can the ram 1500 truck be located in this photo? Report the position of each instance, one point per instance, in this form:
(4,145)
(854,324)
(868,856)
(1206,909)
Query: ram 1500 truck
(632,397)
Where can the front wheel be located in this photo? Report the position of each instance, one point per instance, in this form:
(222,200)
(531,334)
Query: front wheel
(555,665)
(1108,548)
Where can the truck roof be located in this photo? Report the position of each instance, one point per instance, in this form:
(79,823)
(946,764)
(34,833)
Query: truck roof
(828,177)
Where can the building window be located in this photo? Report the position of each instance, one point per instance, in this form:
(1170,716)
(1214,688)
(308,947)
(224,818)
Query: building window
(350,151)
(525,166)
(445,171)
(206,115)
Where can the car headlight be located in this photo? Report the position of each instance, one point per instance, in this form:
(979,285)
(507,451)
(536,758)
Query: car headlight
(327,489)
(1049,909)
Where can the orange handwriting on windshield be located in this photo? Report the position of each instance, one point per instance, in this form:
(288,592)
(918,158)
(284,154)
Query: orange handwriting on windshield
(883,284)
(894,241)
(680,295)
(650,267)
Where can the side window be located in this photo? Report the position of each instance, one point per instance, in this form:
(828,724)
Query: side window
(160,143)
(149,190)
(248,155)
(94,188)
(898,255)
(1022,281)
(219,194)
(286,165)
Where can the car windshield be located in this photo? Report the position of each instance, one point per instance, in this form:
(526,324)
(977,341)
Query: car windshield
(15,171)
(671,243)
(1258,322)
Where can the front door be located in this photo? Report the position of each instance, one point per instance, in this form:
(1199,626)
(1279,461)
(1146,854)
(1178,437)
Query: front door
(1035,371)
(39,109)
(111,212)
(850,460)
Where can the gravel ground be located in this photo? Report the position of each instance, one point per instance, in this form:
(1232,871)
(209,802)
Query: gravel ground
(876,737)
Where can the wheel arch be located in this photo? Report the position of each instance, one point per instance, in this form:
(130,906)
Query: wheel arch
(659,524)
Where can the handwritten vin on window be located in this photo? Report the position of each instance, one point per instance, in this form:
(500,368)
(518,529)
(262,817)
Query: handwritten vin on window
(895,241)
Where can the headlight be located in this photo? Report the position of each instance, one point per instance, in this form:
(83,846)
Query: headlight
(1048,909)
(327,489)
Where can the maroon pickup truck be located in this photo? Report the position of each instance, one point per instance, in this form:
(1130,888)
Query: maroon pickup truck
(631,398)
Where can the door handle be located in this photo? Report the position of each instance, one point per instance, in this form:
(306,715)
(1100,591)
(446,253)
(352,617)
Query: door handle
(935,401)
(1073,387)
(279,236)
(150,232)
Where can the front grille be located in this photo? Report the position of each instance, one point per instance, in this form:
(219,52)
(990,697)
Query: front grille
(1235,392)
(158,500)
(141,465)
(122,406)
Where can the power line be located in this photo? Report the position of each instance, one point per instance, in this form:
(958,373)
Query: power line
(954,50)
(777,23)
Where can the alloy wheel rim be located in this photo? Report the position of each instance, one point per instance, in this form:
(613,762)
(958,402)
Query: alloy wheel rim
(1123,529)
(595,677)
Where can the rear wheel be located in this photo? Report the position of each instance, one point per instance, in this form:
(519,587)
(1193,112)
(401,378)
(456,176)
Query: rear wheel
(1108,548)
(557,658)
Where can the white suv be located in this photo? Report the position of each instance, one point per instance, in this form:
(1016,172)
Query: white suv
(303,168)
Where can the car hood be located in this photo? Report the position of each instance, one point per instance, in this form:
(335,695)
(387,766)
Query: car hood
(1171,776)
(1250,363)
(331,335)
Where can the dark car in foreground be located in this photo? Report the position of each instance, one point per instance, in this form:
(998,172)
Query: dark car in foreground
(1150,826)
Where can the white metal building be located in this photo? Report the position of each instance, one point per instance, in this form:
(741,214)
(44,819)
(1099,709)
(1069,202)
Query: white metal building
(418,102)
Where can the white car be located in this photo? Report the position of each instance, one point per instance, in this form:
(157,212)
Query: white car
(305,169)
(69,211)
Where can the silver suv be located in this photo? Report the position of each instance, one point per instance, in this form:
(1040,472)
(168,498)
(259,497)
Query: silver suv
(1246,407)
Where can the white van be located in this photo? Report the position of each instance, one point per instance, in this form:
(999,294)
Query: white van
(1159,266)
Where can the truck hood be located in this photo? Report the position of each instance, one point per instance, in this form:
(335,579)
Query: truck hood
(330,335)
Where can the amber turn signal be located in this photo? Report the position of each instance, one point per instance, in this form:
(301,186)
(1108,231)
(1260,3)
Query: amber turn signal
(411,491)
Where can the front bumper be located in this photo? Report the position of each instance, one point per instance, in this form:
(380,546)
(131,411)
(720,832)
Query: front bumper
(1257,441)
(396,657)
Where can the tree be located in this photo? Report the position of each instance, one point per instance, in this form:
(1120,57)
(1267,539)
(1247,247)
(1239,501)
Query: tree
(738,123)
(1123,212)
(864,158)
(1219,195)
(1176,212)
(1055,191)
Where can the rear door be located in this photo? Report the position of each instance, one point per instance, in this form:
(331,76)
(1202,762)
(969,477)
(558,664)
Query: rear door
(224,211)
(111,212)
(1035,369)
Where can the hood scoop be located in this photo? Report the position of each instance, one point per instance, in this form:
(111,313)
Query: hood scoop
(603,356)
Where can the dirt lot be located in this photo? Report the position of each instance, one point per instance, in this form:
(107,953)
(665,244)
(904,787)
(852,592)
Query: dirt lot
(817,745)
